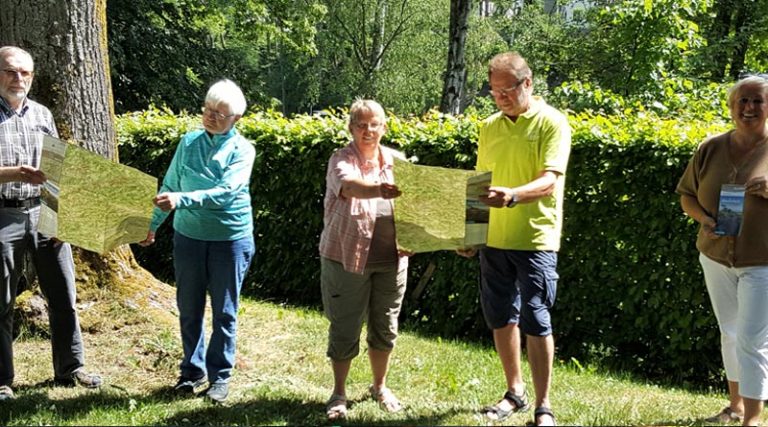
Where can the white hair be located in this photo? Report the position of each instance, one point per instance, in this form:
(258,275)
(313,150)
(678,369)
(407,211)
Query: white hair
(228,93)
(7,51)
(733,91)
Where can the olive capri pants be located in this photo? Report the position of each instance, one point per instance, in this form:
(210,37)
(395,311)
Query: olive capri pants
(348,299)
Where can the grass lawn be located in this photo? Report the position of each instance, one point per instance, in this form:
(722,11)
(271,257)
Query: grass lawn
(282,377)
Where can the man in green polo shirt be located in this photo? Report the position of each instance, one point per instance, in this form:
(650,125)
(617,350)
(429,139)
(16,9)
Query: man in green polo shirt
(526,146)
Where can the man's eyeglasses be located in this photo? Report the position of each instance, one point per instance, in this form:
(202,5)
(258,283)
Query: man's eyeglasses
(373,127)
(215,114)
(24,74)
(506,92)
(744,75)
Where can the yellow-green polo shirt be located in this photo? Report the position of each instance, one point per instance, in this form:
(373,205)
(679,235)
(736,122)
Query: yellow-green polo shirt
(516,153)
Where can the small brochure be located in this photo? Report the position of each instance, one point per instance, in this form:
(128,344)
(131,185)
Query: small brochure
(730,210)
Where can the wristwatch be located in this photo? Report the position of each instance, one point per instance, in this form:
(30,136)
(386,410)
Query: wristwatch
(513,201)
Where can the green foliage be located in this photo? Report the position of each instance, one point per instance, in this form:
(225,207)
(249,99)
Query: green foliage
(166,52)
(631,294)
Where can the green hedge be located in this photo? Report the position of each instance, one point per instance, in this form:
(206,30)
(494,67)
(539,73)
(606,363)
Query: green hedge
(631,295)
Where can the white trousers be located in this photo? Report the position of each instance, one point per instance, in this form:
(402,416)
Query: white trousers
(740,300)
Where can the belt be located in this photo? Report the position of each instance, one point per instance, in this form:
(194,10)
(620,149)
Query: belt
(24,203)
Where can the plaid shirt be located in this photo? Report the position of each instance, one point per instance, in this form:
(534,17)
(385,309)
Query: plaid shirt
(349,222)
(21,141)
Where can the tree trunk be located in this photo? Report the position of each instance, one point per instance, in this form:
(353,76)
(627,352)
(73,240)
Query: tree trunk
(68,42)
(718,41)
(742,28)
(456,69)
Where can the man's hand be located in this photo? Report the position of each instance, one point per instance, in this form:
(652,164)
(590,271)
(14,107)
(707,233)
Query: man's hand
(467,252)
(31,175)
(497,197)
(149,240)
(166,201)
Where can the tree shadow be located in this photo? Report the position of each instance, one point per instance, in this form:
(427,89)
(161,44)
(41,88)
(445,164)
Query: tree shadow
(289,411)
(32,399)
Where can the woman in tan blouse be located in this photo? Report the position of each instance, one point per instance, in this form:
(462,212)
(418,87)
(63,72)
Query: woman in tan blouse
(736,266)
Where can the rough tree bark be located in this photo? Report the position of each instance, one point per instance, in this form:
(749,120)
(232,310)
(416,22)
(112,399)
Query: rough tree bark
(68,42)
(456,69)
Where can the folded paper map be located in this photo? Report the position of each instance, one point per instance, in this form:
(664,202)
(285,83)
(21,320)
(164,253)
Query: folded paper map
(90,201)
(439,208)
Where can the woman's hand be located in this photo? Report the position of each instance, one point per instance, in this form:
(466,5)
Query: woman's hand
(757,186)
(389,191)
(149,240)
(708,225)
(166,201)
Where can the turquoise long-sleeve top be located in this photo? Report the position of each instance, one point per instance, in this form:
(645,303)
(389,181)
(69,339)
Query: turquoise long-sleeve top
(210,175)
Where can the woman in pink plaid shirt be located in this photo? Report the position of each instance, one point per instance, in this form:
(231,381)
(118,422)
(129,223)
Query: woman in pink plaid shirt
(363,274)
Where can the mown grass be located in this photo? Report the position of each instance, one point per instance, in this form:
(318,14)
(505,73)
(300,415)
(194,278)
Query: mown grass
(283,378)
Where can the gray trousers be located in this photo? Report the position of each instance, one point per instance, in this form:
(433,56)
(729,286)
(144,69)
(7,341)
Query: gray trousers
(56,275)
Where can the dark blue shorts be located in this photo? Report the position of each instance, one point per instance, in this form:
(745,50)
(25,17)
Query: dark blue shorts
(518,287)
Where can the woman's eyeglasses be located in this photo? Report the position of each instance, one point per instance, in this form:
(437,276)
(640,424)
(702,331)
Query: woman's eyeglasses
(215,114)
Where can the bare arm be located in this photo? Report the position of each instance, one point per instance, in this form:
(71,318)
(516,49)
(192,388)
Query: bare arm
(360,189)
(693,209)
(22,173)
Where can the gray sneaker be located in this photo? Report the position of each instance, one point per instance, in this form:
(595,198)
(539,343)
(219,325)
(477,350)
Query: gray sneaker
(188,385)
(6,393)
(217,392)
(80,378)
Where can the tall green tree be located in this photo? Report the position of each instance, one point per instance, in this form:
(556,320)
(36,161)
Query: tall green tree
(168,51)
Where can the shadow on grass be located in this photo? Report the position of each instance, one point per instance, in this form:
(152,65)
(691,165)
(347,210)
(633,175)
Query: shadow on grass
(287,411)
(32,401)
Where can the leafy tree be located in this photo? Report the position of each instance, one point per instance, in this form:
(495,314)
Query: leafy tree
(194,42)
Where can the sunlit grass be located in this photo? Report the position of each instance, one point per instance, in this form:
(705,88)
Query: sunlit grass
(283,378)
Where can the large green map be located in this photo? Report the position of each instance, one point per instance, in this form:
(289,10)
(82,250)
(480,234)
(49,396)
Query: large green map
(93,202)
(438,209)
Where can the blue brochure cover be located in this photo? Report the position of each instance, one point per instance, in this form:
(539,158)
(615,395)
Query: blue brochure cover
(730,210)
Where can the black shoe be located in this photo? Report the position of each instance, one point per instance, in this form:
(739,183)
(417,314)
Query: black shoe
(217,392)
(80,378)
(188,385)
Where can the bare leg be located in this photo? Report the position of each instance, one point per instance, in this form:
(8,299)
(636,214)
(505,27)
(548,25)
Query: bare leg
(752,410)
(340,373)
(379,367)
(507,342)
(541,353)
(737,404)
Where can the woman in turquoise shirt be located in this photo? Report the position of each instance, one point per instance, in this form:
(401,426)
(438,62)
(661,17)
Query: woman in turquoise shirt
(207,186)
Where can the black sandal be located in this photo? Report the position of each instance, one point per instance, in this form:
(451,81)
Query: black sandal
(519,403)
(543,410)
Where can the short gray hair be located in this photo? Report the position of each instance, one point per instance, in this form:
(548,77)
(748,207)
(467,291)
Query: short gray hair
(227,92)
(361,106)
(511,62)
(733,91)
(7,51)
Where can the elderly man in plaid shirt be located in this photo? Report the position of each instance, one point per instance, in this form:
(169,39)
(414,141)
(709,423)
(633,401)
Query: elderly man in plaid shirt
(23,122)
